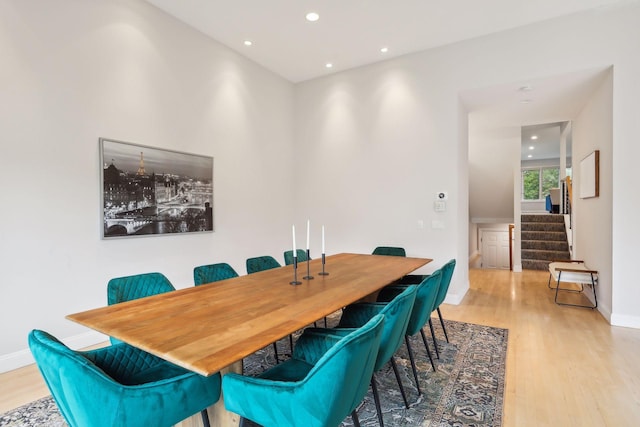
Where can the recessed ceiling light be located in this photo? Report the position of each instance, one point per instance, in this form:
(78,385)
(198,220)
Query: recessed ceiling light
(328,65)
(384,49)
(534,137)
(312,16)
(529,156)
(248,42)
(531,147)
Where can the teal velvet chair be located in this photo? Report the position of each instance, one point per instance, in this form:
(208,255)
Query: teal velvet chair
(129,288)
(409,279)
(261,263)
(324,381)
(213,273)
(389,251)
(422,308)
(301,254)
(119,385)
(447,273)
(396,313)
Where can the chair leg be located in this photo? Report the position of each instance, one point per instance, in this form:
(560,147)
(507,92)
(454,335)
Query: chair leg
(413,363)
(426,346)
(205,418)
(275,351)
(354,417)
(376,399)
(395,371)
(433,336)
(325,321)
(442,323)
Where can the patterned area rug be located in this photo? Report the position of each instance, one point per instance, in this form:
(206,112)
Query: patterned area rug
(466,390)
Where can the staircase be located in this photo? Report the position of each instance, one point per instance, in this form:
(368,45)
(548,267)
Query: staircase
(543,240)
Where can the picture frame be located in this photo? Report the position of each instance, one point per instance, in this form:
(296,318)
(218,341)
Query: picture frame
(590,176)
(148,191)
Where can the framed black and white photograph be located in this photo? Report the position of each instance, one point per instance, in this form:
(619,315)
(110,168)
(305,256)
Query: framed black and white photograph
(151,191)
(590,176)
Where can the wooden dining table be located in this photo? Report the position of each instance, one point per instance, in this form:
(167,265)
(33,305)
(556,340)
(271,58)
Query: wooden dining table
(210,328)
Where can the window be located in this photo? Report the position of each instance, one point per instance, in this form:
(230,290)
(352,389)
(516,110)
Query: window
(536,182)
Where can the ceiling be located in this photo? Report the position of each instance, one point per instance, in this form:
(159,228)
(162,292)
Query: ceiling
(350,33)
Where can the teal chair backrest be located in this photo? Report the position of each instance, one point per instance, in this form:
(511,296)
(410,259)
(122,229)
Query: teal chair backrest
(213,273)
(447,273)
(326,379)
(396,313)
(128,288)
(119,385)
(426,294)
(390,251)
(261,263)
(300,254)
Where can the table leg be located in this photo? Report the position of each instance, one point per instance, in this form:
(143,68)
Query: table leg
(218,414)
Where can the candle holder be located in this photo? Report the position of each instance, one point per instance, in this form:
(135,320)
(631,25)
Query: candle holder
(308,276)
(323,273)
(295,271)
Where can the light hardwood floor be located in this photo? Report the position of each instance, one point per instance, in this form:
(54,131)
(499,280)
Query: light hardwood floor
(565,366)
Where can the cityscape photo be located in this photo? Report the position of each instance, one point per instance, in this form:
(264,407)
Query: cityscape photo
(149,191)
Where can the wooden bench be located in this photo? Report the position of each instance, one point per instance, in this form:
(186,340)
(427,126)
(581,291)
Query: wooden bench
(574,271)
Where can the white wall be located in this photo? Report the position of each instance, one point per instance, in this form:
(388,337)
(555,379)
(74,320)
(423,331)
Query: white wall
(592,130)
(73,71)
(377,142)
(492,154)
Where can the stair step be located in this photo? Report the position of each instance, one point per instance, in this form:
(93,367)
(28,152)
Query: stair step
(545,245)
(548,256)
(543,226)
(542,218)
(528,264)
(544,235)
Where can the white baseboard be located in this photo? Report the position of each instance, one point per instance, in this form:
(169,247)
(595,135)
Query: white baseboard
(517,268)
(21,358)
(625,321)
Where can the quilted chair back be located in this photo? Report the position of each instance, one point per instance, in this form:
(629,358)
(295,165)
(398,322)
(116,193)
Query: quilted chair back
(128,288)
(119,385)
(324,381)
(137,286)
(213,273)
(425,302)
(390,251)
(396,314)
(447,273)
(301,254)
(261,263)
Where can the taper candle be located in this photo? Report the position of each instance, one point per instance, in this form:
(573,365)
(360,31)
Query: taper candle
(308,226)
(323,239)
(293,235)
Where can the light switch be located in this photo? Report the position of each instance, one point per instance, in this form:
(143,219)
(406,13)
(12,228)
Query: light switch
(439,206)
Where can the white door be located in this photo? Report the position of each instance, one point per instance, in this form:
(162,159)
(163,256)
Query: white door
(495,249)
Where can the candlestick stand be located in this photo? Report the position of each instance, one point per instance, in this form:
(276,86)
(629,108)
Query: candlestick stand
(308,276)
(323,273)
(295,271)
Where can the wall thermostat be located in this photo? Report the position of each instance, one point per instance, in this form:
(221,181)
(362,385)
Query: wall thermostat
(441,195)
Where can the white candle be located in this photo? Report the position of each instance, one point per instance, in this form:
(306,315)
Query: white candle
(323,239)
(293,234)
(308,225)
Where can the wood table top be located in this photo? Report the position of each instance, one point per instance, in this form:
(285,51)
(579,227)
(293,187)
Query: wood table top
(208,327)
